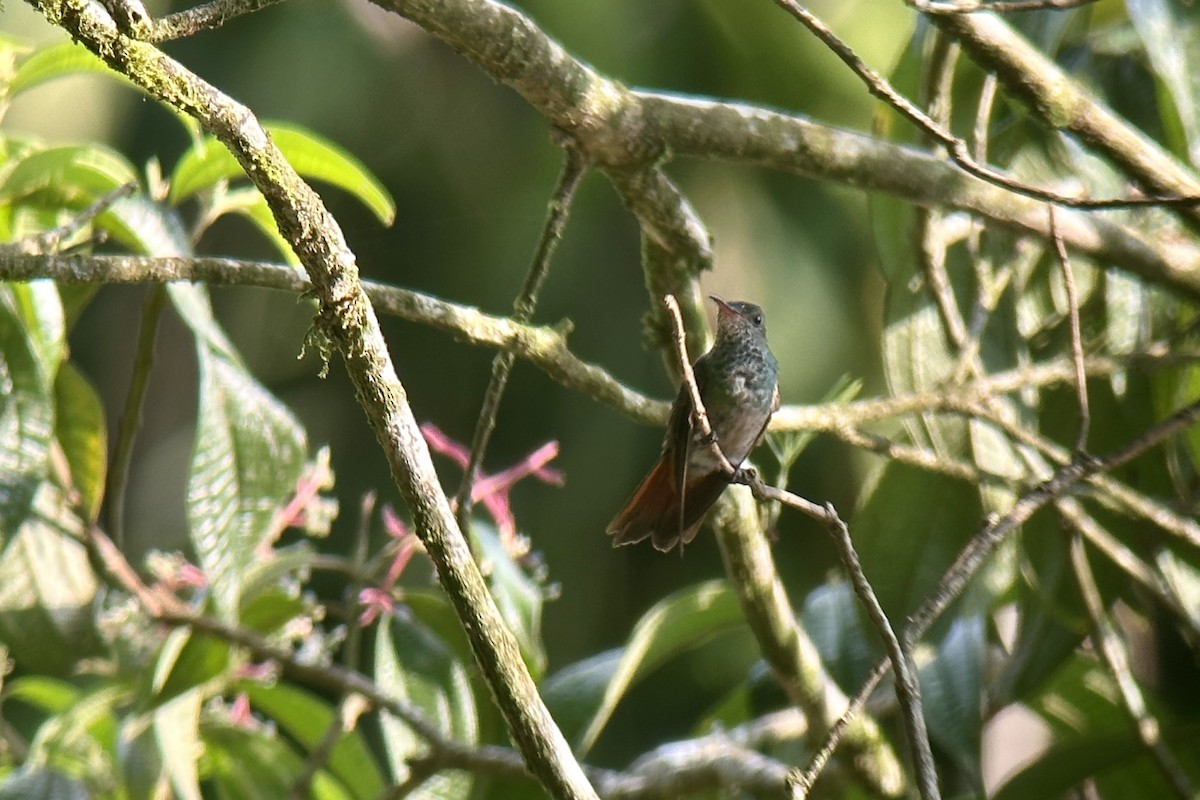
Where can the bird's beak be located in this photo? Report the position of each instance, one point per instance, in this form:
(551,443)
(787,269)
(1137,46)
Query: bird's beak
(722,306)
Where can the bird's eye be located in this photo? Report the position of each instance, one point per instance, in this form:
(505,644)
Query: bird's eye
(757,320)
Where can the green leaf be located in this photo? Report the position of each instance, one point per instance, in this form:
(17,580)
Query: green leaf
(248,455)
(209,161)
(575,692)
(417,667)
(58,61)
(81,432)
(677,623)
(68,175)
(140,760)
(176,727)
(245,765)
(306,718)
(250,203)
(145,226)
(1170,32)
(47,588)
(81,739)
(952,695)
(518,596)
(26,413)
(187,660)
(833,619)
(904,541)
(41,783)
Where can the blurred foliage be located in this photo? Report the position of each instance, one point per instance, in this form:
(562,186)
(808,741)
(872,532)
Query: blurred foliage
(633,649)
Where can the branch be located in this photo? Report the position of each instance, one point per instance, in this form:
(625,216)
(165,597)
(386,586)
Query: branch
(206,17)
(1064,104)
(347,320)
(545,346)
(618,129)
(785,645)
(1064,481)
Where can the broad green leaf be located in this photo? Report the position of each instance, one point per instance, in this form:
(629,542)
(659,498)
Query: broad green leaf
(677,623)
(47,588)
(192,304)
(253,765)
(518,596)
(187,660)
(905,541)
(81,739)
(140,760)
(1170,32)
(268,611)
(250,204)
(81,432)
(26,412)
(176,727)
(248,456)
(72,175)
(575,692)
(1051,622)
(146,226)
(312,156)
(41,783)
(952,695)
(58,61)
(266,575)
(417,667)
(51,695)
(833,619)
(306,718)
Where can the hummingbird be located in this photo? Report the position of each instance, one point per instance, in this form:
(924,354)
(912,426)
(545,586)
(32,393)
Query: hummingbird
(738,383)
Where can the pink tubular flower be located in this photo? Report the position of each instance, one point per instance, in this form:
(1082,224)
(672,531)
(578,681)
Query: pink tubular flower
(377,601)
(493,490)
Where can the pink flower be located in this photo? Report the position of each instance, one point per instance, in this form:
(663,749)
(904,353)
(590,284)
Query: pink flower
(493,490)
(377,601)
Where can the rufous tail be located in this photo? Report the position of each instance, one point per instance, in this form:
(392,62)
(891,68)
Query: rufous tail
(654,509)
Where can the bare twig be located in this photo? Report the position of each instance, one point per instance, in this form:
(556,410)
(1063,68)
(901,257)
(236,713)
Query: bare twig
(1064,262)
(958,149)
(523,308)
(1116,659)
(908,689)
(753,574)
(616,127)
(131,414)
(956,577)
(995,6)
(48,241)
(345,718)
(205,17)
(1065,104)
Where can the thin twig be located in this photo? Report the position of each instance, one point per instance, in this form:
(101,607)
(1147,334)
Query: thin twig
(958,149)
(972,556)
(345,718)
(995,6)
(131,414)
(1116,659)
(1081,391)
(48,241)
(523,307)
(699,414)
(908,688)
(766,601)
(206,17)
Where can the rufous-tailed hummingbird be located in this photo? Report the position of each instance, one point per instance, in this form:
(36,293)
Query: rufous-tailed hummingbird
(738,383)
